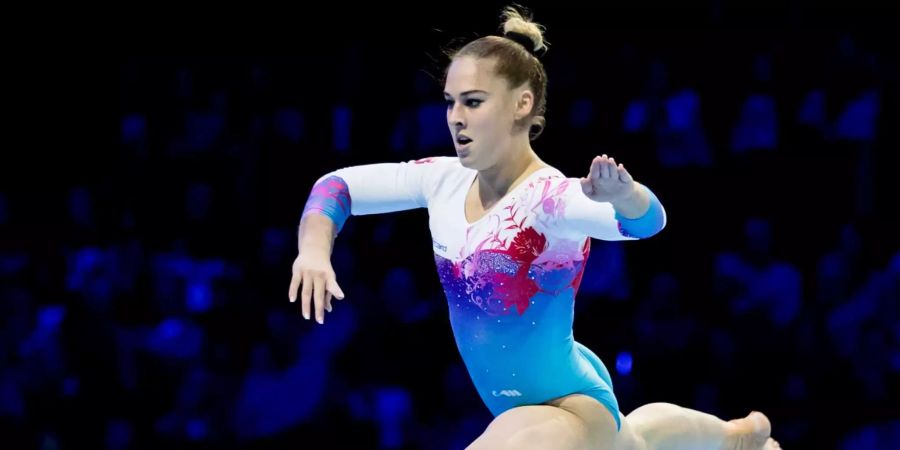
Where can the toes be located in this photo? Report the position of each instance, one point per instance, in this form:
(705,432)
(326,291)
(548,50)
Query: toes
(761,424)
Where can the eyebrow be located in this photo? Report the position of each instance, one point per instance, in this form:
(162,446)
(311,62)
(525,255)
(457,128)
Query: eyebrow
(473,91)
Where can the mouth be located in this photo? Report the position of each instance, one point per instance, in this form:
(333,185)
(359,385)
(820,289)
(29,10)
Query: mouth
(462,141)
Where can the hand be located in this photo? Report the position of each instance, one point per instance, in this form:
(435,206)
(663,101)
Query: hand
(312,270)
(607,182)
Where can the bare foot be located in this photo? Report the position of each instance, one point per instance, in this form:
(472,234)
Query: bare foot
(772,444)
(751,432)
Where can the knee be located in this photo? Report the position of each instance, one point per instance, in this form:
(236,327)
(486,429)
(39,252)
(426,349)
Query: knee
(629,439)
(652,413)
(657,408)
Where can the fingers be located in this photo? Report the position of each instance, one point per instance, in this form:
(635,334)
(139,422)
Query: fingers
(598,168)
(319,298)
(624,175)
(292,290)
(332,290)
(594,172)
(618,172)
(605,167)
(602,167)
(306,294)
(316,293)
(332,287)
(586,186)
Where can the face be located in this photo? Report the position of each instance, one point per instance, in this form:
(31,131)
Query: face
(481,112)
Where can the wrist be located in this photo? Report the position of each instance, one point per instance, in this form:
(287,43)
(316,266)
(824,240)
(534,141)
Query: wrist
(634,204)
(628,198)
(317,234)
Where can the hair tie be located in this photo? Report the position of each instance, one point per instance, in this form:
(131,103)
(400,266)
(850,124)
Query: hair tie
(524,41)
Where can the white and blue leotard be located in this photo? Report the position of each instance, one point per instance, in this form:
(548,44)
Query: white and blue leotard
(510,277)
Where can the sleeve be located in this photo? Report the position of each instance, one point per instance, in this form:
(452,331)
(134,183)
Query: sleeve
(375,188)
(577,216)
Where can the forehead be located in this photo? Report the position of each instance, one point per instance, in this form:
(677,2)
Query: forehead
(468,73)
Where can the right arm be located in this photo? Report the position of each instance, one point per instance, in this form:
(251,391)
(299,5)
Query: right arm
(357,190)
(312,267)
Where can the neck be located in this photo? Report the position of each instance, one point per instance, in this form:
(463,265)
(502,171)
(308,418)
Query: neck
(494,182)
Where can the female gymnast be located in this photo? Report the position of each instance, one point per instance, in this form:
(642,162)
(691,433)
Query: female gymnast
(511,236)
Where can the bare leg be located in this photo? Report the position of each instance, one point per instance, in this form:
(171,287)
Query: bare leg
(534,427)
(580,422)
(665,426)
(573,422)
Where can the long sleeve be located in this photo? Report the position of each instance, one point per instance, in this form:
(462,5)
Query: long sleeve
(375,188)
(575,215)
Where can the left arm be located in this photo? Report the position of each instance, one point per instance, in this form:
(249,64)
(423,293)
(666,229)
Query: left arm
(638,212)
(635,204)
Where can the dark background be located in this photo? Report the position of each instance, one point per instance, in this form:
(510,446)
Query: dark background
(148,222)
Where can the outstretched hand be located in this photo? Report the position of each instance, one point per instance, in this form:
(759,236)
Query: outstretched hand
(313,272)
(606,181)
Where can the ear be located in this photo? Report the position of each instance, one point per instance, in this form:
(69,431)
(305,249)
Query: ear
(524,103)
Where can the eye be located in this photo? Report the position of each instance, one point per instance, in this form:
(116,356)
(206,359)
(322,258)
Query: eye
(473,102)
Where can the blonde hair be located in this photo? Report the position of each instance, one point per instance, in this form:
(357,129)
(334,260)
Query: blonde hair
(514,21)
(517,64)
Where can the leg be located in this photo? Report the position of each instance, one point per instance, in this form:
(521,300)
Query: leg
(668,426)
(572,422)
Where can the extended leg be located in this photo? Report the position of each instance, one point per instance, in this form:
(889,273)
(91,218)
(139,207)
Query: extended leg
(667,426)
(574,422)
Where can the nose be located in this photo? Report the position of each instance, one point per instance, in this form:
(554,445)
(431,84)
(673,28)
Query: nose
(455,116)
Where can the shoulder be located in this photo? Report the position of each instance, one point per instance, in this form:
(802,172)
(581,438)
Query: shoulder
(440,174)
(560,207)
(545,195)
(550,184)
(436,161)
(437,165)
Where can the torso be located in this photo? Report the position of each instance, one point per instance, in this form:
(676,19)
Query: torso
(510,279)
(476,209)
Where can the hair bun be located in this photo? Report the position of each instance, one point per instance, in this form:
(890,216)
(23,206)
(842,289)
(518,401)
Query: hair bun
(525,41)
(519,27)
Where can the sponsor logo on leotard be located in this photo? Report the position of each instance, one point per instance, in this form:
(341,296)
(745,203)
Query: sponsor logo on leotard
(506,393)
